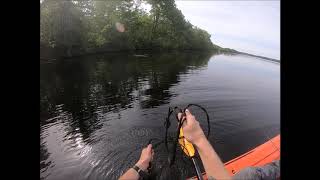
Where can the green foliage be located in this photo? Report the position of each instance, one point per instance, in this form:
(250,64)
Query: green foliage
(228,50)
(117,25)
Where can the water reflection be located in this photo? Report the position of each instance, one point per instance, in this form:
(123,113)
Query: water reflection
(96,112)
(77,94)
(113,82)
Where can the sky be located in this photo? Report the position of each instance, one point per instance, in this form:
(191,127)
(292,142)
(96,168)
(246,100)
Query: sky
(248,26)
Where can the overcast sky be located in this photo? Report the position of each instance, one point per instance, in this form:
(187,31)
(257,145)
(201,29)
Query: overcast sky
(248,26)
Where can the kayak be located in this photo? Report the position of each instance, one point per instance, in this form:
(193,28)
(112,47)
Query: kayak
(259,156)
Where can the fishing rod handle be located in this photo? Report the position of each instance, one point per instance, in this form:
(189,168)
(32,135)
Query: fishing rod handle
(196,166)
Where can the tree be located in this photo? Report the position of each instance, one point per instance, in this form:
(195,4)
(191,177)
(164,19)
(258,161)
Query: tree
(118,25)
(60,25)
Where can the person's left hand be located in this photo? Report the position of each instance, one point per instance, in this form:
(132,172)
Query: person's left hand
(145,158)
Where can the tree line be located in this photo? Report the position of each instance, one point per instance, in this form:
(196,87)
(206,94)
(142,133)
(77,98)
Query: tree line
(89,26)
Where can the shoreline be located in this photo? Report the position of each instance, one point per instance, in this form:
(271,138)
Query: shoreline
(52,54)
(137,52)
(261,57)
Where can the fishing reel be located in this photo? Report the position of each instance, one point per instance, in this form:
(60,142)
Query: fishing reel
(179,138)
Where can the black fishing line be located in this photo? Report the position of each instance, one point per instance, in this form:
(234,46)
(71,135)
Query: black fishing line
(172,154)
(168,139)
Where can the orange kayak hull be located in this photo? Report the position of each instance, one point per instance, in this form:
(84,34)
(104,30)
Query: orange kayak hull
(259,156)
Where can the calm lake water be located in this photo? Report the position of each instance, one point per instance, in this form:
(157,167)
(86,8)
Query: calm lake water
(97,112)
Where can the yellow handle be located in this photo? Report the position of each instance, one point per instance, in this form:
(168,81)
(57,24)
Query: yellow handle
(186,146)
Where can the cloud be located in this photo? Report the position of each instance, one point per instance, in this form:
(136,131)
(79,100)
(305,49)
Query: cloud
(250,26)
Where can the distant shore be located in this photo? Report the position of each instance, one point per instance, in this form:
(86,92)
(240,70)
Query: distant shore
(54,54)
(59,53)
(262,57)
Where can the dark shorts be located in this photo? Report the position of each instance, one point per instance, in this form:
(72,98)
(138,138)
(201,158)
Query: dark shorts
(270,171)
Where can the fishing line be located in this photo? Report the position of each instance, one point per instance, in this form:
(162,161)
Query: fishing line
(168,139)
(270,140)
(167,124)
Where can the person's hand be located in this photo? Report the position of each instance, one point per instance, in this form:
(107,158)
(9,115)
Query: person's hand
(191,128)
(145,158)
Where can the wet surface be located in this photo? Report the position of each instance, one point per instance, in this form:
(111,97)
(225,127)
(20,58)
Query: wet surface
(97,112)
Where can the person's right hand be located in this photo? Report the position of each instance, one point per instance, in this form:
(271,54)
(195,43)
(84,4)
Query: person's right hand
(191,128)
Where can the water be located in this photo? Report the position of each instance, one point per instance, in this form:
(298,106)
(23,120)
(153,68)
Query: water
(96,112)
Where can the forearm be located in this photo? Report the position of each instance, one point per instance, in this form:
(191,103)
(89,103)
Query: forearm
(131,174)
(211,161)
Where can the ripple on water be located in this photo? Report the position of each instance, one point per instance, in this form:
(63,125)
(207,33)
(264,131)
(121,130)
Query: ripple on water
(104,116)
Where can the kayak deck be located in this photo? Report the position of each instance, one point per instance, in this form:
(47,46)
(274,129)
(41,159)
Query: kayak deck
(259,156)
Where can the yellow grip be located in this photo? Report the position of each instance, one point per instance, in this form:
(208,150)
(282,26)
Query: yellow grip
(186,146)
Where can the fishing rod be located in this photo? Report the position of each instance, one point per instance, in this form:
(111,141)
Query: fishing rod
(178,138)
(185,145)
(189,150)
